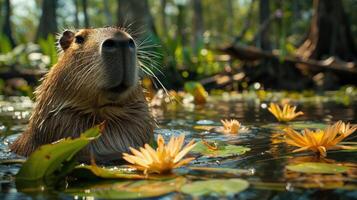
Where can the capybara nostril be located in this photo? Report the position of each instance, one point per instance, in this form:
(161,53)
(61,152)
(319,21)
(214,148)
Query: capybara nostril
(131,43)
(109,44)
(114,44)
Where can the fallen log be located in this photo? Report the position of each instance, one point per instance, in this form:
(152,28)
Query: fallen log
(250,53)
(30,75)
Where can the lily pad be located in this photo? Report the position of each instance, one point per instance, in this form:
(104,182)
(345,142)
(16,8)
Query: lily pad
(309,125)
(52,162)
(215,187)
(272,186)
(94,171)
(220,150)
(130,189)
(222,170)
(299,125)
(315,167)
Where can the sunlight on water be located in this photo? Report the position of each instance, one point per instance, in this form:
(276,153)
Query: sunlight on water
(265,161)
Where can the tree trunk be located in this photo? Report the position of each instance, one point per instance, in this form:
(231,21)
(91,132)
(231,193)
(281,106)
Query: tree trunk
(264,16)
(330,33)
(85,13)
(6,29)
(48,23)
(197,39)
(76,11)
(135,15)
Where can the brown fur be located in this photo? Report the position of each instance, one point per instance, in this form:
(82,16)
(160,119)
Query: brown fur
(71,100)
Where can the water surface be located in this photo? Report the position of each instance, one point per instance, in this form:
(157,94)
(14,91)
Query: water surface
(266,161)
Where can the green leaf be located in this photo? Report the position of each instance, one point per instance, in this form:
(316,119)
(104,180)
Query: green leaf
(52,162)
(217,187)
(5,44)
(299,125)
(272,186)
(223,150)
(129,189)
(210,170)
(320,168)
(89,171)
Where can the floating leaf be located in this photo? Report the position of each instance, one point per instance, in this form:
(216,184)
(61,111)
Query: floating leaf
(315,167)
(94,171)
(296,125)
(52,162)
(222,150)
(222,170)
(130,189)
(311,125)
(269,186)
(204,127)
(216,187)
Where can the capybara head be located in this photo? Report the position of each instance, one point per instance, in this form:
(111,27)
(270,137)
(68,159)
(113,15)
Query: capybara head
(94,80)
(102,62)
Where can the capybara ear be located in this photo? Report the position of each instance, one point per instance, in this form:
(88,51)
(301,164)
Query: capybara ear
(66,39)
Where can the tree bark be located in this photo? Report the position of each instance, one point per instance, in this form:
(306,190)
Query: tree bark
(48,22)
(329,34)
(135,15)
(198,28)
(6,29)
(85,13)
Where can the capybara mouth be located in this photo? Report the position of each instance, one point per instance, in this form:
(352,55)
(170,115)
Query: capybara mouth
(119,88)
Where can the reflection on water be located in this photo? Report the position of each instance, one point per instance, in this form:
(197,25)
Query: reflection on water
(267,158)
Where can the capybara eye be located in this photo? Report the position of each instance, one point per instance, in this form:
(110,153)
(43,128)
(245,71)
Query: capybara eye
(131,43)
(79,39)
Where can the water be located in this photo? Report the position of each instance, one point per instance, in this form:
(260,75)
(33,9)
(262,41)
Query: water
(266,160)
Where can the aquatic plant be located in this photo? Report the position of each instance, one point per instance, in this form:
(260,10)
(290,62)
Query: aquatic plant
(319,141)
(231,126)
(164,158)
(285,114)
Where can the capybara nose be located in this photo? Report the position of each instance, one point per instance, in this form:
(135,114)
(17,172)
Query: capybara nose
(113,44)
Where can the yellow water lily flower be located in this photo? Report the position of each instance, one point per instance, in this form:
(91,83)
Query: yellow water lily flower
(287,113)
(164,158)
(320,141)
(231,126)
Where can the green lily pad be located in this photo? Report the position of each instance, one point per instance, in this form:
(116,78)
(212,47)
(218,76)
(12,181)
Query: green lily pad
(222,150)
(94,171)
(299,125)
(309,125)
(272,186)
(216,187)
(129,189)
(52,162)
(222,170)
(320,168)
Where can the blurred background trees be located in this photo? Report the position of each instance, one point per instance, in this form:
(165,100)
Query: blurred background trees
(284,40)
